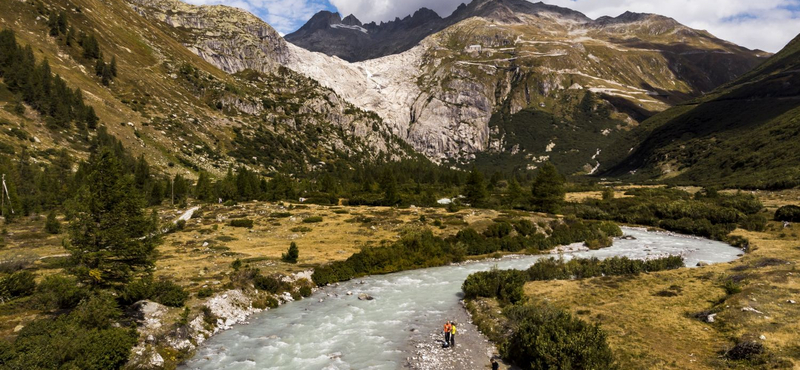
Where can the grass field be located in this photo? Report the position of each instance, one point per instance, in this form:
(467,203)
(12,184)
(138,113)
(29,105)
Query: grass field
(651,322)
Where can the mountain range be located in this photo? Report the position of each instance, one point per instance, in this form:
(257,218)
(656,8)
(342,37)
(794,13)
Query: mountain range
(502,84)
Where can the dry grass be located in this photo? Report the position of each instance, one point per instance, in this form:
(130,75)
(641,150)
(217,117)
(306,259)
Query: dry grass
(202,253)
(647,330)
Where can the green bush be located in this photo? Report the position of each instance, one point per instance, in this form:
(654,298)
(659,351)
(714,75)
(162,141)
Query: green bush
(270,284)
(731,287)
(60,292)
(205,292)
(169,294)
(312,220)
(582,268)
(280,215)
(18,284)
(754,223)
(66,343)
(305,291)
(788,213)
(505,285)
(163,291)
(498,230)
(242,222)
(548,338)
(52,225)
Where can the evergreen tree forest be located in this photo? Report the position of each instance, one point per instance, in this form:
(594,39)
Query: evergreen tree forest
(36,85)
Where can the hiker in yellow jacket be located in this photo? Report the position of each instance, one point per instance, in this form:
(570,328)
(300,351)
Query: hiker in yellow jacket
(453,334)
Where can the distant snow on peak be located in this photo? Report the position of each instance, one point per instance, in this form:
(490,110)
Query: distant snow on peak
(349,27)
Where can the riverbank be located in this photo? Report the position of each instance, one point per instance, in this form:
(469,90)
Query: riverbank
(690,318)
(472,351)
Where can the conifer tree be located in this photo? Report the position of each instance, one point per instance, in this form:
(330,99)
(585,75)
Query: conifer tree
(112,239)
(548,189)
(204,190)
(113,66)
(475,190)
(292,254)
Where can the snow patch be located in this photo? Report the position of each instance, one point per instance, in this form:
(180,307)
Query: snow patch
(348,27)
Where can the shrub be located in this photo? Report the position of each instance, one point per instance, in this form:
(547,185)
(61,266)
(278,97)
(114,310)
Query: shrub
(205,292)
(52,225)
(208,316)
(505,285)
(788,213)
(78,346)
(18,284)
(754,223)
(291,255)
(548,338)
(61,292)
(280,215)
(498,230)
(97,312)
(163,291)
(745,350)
(243,222)
(305,291)
(312,220)
(236,265)
(169,294)
(731,287)
(270,284)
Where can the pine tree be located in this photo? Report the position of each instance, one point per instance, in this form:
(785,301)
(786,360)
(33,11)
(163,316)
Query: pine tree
(548,189)
(107,76)
(180,190)
(514,195)
(204,190)
(52,225)
(112,239)
(475,190)
(292,254)
(113,66)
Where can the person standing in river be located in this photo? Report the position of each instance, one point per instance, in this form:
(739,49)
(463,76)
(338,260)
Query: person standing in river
(453,335)
(447,330)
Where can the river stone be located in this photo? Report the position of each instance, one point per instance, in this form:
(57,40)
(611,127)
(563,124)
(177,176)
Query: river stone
(365,297)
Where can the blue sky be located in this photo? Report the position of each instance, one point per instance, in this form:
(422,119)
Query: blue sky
(759,24)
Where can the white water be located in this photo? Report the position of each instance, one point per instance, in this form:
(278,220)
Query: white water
(344,333)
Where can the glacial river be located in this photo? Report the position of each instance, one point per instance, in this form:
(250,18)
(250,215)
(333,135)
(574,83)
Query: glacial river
(342,332)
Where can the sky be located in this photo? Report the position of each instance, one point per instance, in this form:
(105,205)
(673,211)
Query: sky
(757,24)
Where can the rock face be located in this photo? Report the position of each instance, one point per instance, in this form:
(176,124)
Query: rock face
(353,41)
(230,39)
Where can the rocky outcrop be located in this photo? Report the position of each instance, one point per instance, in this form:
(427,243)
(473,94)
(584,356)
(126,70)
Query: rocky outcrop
(231,39)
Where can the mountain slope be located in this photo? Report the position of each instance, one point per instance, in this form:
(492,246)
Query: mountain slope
(183,113)
(454,96)
(745,133)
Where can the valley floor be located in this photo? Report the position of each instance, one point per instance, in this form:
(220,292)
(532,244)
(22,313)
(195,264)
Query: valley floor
(658,320)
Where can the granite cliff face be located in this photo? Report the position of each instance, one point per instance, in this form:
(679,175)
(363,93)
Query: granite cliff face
(458,94)
(231,39)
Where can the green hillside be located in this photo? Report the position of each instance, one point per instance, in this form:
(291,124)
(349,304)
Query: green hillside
(744,134)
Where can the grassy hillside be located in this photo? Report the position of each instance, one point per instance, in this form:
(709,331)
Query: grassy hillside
(743,134)
(167,103)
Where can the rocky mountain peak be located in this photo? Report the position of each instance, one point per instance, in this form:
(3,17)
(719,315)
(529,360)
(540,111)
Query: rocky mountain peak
(351,20)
